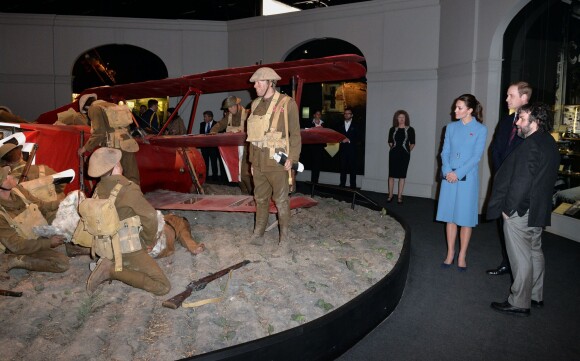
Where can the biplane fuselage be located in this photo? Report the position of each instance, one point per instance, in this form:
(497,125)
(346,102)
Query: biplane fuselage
(174,162)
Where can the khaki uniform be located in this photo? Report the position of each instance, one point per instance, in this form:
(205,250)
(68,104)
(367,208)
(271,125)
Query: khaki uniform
(270,178)
(34,172)
(139,269)
(99,129)
(237,123)
(176,127)
(32,254)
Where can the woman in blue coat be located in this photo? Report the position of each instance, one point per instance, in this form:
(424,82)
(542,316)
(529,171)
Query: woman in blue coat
(458,199)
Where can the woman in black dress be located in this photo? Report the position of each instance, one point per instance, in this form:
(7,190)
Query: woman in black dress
(401,141)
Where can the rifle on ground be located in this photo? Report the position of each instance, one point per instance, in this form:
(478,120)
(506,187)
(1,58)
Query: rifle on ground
(199,284)
(10,293)
(31,156)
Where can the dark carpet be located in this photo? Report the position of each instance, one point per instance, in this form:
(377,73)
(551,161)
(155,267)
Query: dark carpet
(445,314)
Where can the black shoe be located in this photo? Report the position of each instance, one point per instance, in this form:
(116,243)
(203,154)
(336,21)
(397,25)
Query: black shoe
(508,309)
(537,304)
(501,270)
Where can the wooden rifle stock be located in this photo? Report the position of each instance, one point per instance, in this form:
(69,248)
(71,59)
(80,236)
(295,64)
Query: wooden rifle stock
(176,301)
(31,156)
(10,293)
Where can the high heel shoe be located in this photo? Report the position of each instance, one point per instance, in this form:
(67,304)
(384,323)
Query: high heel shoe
(446,265)
(389,199)
(400,199)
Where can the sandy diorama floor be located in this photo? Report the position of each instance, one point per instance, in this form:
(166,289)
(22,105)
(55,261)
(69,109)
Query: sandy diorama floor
(336,253)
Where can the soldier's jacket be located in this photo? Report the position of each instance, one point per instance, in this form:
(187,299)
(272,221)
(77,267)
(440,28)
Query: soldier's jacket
(236,121)
(260,157)
(14,206)
(131,202)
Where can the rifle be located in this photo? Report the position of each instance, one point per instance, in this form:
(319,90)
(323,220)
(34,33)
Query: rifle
(10,293)
(31,156)
(176,301)
(82,166)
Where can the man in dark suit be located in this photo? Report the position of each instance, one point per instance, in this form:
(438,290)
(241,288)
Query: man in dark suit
(522,196)
(348,149)
(210,154)
(503,143)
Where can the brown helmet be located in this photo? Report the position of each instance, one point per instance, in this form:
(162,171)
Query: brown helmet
(103,160)
(265,73)
(230,102)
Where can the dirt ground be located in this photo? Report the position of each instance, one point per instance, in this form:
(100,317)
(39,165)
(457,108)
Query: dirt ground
(336,254)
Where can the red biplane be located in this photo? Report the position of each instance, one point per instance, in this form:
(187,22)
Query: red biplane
(173,162)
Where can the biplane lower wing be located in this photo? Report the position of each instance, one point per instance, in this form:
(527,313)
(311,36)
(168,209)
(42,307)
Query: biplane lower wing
(168,200)
(228,144)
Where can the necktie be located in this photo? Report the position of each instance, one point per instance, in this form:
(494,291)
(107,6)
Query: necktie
(207,128)
(513,133)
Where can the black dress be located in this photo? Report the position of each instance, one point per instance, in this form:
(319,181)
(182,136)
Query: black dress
(400,153)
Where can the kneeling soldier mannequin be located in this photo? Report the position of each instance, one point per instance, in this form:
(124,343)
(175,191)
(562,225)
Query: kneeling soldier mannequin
(26,250)
(139,269)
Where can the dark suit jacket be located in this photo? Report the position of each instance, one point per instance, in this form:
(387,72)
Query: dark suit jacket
(202,126)
(526,179)
(352,135)
(500,148)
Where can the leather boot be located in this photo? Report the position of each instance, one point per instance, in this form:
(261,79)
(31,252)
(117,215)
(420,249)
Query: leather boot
(183,233)
(54,263)
(103,272)
(72,250)
(284,246)
(262,214)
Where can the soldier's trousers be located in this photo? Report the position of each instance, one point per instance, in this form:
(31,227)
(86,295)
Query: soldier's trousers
(141,271)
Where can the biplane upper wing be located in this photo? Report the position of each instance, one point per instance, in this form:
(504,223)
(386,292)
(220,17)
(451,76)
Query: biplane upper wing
(331,68)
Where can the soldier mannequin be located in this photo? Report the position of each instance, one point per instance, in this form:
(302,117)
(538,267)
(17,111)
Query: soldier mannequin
(101,129)
(32,254)
(273,126)
(139,269)
(235,121)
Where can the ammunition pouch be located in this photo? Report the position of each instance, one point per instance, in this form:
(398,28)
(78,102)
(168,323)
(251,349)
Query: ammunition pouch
(25,222)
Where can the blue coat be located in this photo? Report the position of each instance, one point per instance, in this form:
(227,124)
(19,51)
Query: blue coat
(462,150)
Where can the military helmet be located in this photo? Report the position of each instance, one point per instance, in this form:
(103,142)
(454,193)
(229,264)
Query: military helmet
(265,73)
(7,148)
(84,99)
(103,160)
(230,102)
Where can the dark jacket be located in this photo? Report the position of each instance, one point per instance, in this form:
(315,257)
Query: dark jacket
(525,181)
(500,146)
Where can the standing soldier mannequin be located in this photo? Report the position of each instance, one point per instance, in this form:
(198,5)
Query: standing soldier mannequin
(110,128)
(235,121)
(138,221)
(27,250)
(273,126)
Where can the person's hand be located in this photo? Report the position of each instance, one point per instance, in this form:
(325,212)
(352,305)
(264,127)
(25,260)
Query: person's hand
(451,177)
(56,240)
(346,140)
(505,216)
(82,151)
(288,164)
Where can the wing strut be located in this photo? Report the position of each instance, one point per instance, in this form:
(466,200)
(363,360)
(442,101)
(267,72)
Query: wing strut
(191,169)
